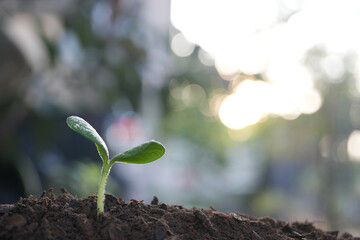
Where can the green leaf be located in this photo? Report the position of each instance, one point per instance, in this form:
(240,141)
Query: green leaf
(85,129)
(145,153)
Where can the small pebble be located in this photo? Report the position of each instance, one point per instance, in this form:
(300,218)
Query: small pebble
(155,201)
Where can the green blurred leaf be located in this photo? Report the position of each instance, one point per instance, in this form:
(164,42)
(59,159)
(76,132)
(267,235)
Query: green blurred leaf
(145,153)
(85,129)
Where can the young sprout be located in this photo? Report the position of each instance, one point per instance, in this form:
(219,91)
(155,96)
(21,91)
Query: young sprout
(144,153)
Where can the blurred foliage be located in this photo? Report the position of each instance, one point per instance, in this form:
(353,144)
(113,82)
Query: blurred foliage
(82,178)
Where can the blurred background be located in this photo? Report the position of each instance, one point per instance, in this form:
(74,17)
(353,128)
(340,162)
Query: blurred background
(257,102)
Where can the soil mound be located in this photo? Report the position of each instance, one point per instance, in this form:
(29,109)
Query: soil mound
(66,217)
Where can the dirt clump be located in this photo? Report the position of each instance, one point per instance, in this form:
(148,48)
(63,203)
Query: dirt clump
(65,217)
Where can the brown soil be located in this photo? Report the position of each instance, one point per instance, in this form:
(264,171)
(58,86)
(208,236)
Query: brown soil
(66,217)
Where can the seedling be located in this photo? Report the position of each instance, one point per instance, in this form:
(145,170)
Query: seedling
(144,153)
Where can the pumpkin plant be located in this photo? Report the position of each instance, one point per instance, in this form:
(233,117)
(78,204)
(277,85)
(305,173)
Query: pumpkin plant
(144,153)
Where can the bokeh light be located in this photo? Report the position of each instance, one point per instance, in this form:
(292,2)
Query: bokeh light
(181,46)
(353,144)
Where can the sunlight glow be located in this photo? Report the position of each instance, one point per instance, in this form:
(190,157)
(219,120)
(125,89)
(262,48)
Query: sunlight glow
(244,38)
(246,106)
(252,101)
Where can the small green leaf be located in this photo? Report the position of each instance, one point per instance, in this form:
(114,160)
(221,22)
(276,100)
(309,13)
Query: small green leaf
(145,153)
(85,129)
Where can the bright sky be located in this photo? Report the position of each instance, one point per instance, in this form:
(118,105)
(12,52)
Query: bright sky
(247,36)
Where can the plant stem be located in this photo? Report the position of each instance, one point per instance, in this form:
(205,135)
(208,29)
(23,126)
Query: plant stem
(101,191)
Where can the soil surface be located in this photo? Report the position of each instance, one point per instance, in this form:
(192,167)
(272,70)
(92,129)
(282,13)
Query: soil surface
(66,217)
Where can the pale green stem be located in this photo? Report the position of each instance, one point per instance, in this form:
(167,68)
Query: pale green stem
(101,191)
